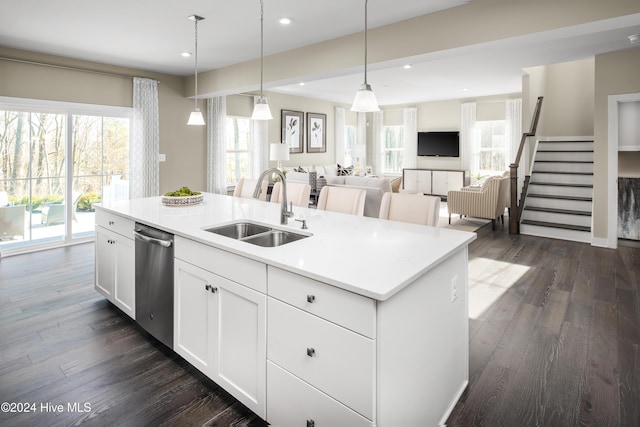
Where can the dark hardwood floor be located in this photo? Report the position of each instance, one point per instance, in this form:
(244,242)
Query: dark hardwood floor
(554,341)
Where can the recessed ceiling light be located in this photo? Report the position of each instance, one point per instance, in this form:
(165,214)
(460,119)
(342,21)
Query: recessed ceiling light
(634,38)
(301,83)
(285,21)
(407,66)
(464,89)
(185,54)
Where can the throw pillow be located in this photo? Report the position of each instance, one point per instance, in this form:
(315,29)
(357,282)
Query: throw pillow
(300,169)
(345,171)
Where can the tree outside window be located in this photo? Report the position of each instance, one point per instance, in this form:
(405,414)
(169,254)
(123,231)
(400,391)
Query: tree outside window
(349,142)
(492,148)
(239,136)
(393,148)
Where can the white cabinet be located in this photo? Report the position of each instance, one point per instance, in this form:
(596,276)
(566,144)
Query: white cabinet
(115,252)
(417,181)
(443,181)
(310,327)
(340,359)
(219,324)
(436,182)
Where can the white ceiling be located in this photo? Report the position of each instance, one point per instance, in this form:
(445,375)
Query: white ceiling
(151,34)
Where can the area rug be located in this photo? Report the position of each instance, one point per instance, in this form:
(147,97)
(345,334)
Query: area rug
(457,223)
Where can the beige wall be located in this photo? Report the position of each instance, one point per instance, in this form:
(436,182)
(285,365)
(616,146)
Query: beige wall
(568,91)
(615,74)
(477,22)
(629,164)
(183,145)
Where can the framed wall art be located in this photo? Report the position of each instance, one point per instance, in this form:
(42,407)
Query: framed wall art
(316,133)
(292,132)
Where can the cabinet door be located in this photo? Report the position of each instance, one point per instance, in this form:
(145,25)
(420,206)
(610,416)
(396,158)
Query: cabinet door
(455,180)
(417,181)
(124,288)
(440,183)
(192,314)
(240,343)
(105,262)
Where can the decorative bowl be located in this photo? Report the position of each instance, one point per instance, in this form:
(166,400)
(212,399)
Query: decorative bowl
(182,200)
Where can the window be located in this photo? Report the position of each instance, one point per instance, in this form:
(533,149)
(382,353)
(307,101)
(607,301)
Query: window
(238,143)
(349,142)
(492,149)
(55,163)
(393,148)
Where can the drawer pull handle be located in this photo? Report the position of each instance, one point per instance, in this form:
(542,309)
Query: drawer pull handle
(311,299)
(214,289)
(311,352)
(207,287)
(311,423)
(111,222)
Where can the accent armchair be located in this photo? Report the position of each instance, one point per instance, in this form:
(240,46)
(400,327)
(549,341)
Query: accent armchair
(486,202)
(12,221)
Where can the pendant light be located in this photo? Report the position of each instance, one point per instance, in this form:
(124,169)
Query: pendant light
(261,109)
(365,100)
(195,118)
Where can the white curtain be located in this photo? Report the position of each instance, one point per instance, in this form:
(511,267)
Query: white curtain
(216,150)
(513,128)
(361,137)
(260,155)
(377,141)
(145,142)
(340,130)
(410,137)
(468,152)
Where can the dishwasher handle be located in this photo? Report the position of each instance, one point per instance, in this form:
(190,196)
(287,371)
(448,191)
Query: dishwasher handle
(148,239)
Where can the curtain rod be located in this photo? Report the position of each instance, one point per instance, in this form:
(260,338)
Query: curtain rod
(64,67)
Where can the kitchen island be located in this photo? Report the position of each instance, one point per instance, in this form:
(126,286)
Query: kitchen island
(363,322)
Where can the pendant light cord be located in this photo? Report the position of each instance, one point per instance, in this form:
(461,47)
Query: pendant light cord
(365,41)
(195,99)
(261,44)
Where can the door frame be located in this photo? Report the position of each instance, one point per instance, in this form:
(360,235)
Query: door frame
(612,223)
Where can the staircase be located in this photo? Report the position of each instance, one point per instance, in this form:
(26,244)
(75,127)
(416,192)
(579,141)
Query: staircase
(560,193)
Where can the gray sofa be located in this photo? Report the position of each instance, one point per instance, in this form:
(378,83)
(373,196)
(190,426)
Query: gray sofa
(375,188)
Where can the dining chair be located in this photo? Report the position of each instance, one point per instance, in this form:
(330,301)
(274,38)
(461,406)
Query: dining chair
(342,199)
(297,193)
(413,208)
(245,186)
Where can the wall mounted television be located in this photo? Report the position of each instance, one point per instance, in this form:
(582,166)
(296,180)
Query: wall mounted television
(439,144)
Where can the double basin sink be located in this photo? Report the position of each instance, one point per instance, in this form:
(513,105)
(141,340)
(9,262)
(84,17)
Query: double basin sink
(256,234)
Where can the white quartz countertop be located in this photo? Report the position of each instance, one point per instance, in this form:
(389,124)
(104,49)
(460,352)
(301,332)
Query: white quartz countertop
(371,257)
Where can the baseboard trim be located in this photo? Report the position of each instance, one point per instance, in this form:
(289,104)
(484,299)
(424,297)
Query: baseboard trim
(600,243)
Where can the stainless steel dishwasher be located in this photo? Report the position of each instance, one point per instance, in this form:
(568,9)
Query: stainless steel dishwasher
(154,282)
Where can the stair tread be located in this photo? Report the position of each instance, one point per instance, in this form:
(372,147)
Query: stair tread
(554,141)
(559,211)
(564,173)
(565,151)
(556,225)
(564,161)
(561,184)
(550,196)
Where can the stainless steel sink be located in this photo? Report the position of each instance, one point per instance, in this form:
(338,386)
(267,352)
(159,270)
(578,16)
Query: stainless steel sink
(239,230)
(274,238)
(256,234)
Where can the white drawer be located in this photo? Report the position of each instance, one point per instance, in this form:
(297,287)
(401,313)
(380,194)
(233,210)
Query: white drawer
(248,272)
(115,223)
(333,359)
(345,308)
(292,402)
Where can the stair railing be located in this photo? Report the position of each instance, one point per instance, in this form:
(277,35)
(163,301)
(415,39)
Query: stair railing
(515,207)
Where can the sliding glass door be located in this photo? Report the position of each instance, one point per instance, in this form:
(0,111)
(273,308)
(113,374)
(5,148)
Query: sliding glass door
(54,165)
